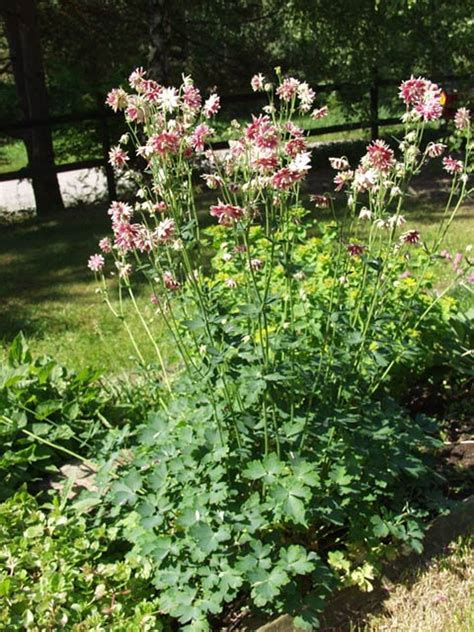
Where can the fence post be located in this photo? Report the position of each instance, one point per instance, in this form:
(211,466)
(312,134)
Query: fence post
(109,171)
(374,106)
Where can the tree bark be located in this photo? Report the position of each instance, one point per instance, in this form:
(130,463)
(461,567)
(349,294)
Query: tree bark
(158,60)
(22,31)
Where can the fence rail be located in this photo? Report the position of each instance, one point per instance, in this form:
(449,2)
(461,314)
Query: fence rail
(104,116)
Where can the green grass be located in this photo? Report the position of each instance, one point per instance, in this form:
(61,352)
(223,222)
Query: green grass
(12,156)
(47,292)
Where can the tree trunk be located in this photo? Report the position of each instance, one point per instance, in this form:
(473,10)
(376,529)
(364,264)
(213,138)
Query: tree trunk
(21,22)
(159,40)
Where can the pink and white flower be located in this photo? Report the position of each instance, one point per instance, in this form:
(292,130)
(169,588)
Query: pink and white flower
(339,163)
(227,213)
(96,263)
(258,82)
(118,157)
(319,113)
(452,166)
(211,106)
(285,178)
(164,143)
(191,97)
(342,179)
(380,156)
(423,96)
(168,99)
(169,281)
(165,230)
(462,119)
(199,136)
(320,201)
(410,237)
(117,99)
(435,150)
(288,89)
(105,245)
(136,78)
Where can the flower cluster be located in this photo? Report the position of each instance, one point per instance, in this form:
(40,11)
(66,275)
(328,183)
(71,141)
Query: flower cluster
(422,99)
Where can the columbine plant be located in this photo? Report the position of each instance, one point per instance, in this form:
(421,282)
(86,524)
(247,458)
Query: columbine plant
(285,331)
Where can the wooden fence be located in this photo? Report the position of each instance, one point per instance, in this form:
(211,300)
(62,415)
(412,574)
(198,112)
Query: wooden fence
(103,117)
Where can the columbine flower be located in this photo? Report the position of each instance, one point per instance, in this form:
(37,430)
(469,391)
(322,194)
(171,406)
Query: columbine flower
(169,281)
(434,150)
(119,212)
(199,136)
(365,213)
(355,250)
(364,179)
(152,90)
(320,201)
(136,78)
(288,89)
(461,118)
(301,162)
(226,213)
(230,283)
(126,235)
(257,82)
(212,180)
(306,96)
(136,110)
(117,99)
(168,99)
(124,269)
(96,263)
(256,264)
(165,230)
(412,90)
(191,97)
(340,164)
(319,113)
(105,245)
(285,178)
(451,165)
(423,96)
(294,147)
(457,261)
(164,143)
(410,237)
(212,106)
(395,220)
(342,179)
(380,156)
(118,157)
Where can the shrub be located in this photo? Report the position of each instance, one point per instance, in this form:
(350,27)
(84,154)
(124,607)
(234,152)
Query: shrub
(56,573)
(50,415)
(278,466)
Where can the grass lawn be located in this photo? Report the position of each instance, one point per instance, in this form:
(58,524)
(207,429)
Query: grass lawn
(47,292)
(437,598)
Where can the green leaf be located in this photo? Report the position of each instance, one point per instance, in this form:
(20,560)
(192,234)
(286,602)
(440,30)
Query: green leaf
(207,539)
(296,560)
(266,586)
(254,471)
(339,475)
